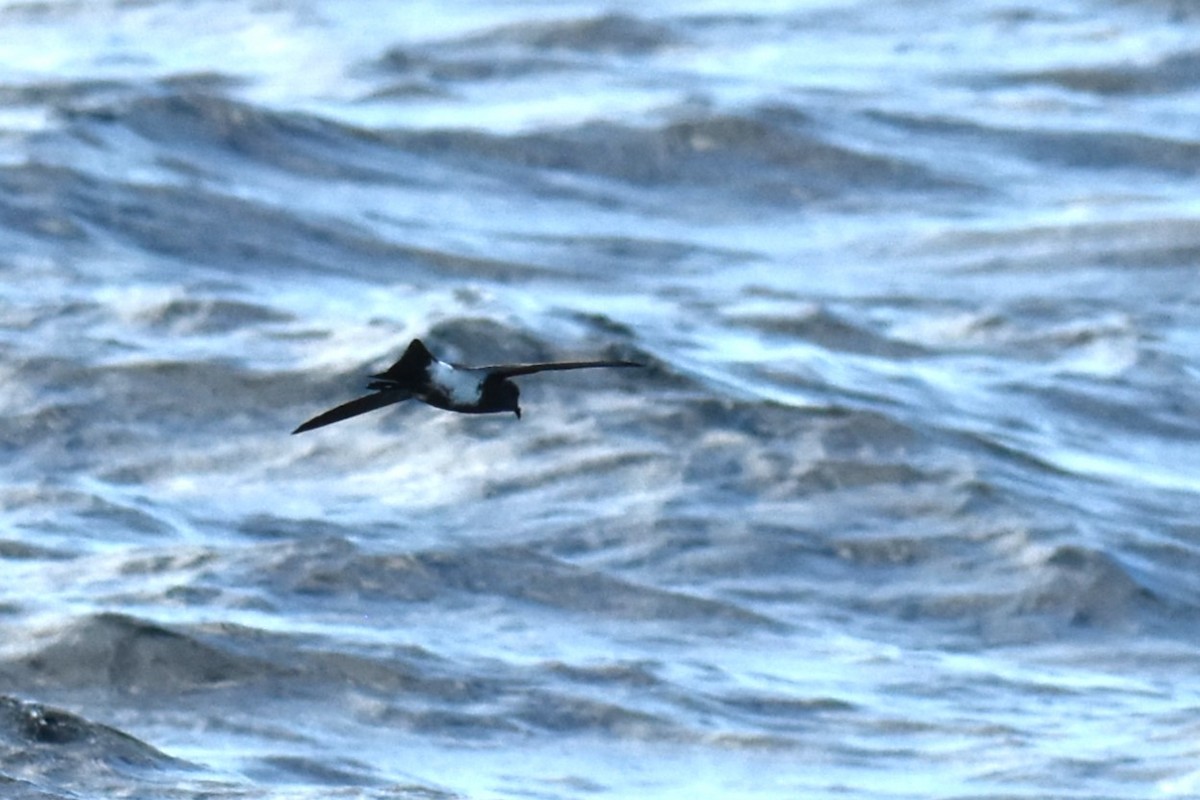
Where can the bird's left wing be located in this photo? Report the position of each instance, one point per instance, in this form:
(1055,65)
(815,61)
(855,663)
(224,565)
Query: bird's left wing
(513,370)
(355,407)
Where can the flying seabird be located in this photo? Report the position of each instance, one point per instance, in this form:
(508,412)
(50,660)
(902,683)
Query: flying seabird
(468,390)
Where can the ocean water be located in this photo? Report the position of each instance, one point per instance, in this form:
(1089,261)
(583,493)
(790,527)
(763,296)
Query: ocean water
(903,505)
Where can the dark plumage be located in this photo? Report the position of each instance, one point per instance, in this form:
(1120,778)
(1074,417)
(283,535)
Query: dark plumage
(468,390)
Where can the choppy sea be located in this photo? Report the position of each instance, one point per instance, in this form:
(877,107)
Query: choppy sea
(905,503)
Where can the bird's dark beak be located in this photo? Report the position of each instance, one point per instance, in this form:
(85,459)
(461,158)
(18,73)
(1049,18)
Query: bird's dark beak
(517,411)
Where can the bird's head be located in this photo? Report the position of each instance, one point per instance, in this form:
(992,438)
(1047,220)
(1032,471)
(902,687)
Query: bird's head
(512,396)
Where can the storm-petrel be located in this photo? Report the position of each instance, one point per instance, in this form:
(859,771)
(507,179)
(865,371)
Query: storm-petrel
(469,390)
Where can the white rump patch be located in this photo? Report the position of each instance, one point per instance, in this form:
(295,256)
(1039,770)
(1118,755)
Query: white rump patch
(462,385)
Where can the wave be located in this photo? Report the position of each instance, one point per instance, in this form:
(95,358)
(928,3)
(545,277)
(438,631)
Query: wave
(1168,74)
(1119,149)
(771,155)
(50,753)
(518,51)
(120,653)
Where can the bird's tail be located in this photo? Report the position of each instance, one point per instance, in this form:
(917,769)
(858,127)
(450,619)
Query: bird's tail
(411,367)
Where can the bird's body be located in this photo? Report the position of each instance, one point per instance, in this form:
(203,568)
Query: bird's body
(467,390)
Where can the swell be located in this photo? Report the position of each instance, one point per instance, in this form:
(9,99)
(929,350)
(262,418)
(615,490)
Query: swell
(769,155)
(49,753)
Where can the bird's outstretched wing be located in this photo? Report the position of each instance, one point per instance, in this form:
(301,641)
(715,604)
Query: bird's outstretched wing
(355,407)
(513,370)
